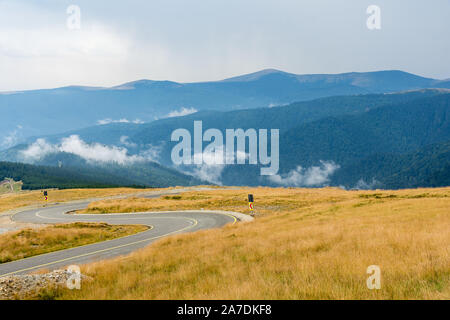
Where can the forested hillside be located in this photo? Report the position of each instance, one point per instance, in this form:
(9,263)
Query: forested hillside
(428,166)
(39,176)
(371,140)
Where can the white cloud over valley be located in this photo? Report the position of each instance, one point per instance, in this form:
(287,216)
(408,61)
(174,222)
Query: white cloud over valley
(11,138)
(213,165)
(181,112)
(123,120)
(74,145)
(307,177)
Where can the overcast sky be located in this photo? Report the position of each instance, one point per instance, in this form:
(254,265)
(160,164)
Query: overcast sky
(200,40)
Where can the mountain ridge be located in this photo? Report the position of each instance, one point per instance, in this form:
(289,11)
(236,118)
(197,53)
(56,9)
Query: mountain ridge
(51,111)
(239,78)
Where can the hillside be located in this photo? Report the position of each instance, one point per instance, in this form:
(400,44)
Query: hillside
(41,177)
(303,244)
(284,118)
(428,166)
(391,145)
(354,132)
(398,128)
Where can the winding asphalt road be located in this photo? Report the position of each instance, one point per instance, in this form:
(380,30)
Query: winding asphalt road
(160,224)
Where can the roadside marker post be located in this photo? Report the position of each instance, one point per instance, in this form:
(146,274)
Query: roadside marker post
(250,204)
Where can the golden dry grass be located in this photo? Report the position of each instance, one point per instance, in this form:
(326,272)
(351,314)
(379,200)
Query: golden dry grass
(26,198)
(305,244)
(228,199)
(28,242)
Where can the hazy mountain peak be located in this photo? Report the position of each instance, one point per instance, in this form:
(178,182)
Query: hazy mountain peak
(132,84)
(143,83)
(256,75)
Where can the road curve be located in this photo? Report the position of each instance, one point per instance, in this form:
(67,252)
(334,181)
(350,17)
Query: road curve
(160,224)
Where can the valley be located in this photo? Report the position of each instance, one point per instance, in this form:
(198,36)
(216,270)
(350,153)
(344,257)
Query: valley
(347,141)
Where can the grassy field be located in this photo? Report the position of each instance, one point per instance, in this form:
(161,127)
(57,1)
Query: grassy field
(25,198)
(304,244)
(30,242)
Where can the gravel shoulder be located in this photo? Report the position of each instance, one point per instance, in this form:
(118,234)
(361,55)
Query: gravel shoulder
(31,285)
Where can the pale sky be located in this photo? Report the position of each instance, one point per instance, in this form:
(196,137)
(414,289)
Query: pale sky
(202,40)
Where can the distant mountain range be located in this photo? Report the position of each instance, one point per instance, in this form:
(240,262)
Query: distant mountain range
(52,111)
(388,140)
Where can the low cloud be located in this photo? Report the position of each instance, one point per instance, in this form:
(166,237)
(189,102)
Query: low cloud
(151,153)
(11,139)
(363,185)
(126,142)
(39,149)
(181,112)
(123,120)
(210,170)
(91,152)
(213,165)
(207,172)
(147,151)
(307,177)
(273,105)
